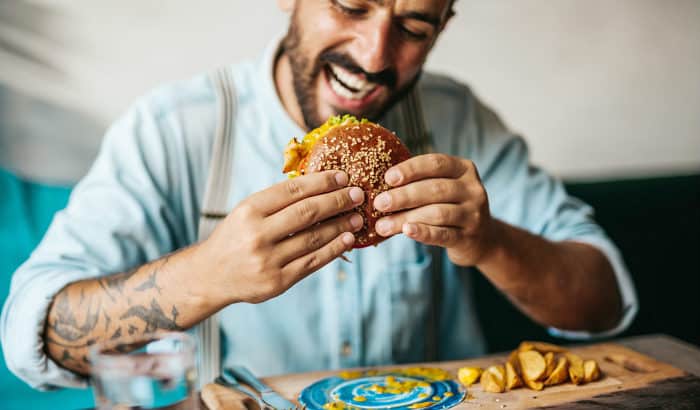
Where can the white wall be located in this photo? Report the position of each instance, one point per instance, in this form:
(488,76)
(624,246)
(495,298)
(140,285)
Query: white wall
(598,87)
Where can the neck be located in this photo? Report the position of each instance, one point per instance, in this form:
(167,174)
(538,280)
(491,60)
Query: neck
(284,84)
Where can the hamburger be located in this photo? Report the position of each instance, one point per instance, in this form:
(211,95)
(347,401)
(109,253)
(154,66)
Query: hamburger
(364,150)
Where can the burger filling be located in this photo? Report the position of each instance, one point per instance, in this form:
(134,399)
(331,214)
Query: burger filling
(296,152)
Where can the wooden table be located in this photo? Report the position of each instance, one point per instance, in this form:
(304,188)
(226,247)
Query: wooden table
(666,349)
(682,391)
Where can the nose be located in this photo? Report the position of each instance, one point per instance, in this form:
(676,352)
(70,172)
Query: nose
(375,44)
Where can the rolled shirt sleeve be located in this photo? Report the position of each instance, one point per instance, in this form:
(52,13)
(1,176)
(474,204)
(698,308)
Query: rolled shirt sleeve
(119,216)
(525,196)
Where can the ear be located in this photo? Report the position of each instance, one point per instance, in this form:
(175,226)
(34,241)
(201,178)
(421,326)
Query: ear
(286,5)
(448,17)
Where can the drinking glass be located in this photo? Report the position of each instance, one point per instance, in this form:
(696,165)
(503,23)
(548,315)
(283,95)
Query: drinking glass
(148,372)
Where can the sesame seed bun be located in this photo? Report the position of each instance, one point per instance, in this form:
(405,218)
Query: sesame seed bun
(365,151)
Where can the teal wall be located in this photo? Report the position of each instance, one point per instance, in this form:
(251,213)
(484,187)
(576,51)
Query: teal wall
(26,210)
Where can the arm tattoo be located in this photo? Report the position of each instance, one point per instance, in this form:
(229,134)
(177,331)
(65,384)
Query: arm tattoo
(88,343)
(108,320)
(115,282)
(117,334)
(66,325)
(174,312)
(153,316)
(66,356)
(104,287)
(150,283)
(79,312)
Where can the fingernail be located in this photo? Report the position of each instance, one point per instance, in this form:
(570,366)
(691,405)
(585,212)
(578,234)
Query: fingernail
(384,226)
(410,229)
(341,178)
(357,195)
(348,238)
(382,201)
(356,221)
(392,177)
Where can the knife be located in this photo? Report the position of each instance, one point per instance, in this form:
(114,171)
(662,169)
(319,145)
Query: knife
(226,379)
(268,395)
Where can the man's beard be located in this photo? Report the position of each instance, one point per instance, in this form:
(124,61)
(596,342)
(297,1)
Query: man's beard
(304,74)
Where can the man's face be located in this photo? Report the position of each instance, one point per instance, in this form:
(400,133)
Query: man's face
(358,56)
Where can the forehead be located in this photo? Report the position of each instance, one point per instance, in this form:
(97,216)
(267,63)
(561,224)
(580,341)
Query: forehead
(436,6)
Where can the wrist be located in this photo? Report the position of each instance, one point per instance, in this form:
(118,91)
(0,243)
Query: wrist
(493,243)
(204,287)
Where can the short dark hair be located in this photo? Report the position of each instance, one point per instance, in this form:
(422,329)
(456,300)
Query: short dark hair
(451,11)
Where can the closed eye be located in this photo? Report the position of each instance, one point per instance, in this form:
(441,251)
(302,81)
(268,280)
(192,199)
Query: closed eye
(349,9)
(413,35)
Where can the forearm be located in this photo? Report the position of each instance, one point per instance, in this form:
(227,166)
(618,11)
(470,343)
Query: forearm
(161,295)
(567,285)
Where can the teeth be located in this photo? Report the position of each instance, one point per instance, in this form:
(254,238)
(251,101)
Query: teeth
(344,92)
(354,81)
(360,86)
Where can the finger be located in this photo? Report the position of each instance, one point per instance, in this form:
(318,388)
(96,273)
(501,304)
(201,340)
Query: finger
(317,236)
(420,193)
(285,193)
(432,235)
(447,215)
(310,211)
(425,166)
(299,268)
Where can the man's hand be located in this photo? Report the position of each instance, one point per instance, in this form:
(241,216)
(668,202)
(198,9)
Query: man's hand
(272,240)
(278,236)
(439,200)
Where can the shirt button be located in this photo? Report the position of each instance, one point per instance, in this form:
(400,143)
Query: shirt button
(346,349)
(342,275)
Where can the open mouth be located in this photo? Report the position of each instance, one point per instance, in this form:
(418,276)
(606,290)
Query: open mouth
(348,85)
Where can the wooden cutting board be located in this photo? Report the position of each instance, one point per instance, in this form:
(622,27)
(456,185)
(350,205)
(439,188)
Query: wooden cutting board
(630,380)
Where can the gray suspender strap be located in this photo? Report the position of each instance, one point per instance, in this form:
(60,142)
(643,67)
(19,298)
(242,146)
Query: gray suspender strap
(214,209)
(418,141)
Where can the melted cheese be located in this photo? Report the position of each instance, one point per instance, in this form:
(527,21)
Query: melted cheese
(297,150)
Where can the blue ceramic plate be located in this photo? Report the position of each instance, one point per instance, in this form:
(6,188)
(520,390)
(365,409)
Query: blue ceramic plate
(393,389)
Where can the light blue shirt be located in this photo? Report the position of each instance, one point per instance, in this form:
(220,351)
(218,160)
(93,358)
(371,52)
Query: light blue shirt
(142,197)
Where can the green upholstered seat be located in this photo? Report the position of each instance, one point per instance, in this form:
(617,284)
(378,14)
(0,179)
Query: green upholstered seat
(656,224)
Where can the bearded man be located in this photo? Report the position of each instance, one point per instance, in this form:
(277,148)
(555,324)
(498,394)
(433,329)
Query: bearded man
(125,258)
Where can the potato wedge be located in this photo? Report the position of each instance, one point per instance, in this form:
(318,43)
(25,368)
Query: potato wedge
(575,368)
(514,361)
(534,385)
(468,375)
(591,372)
(499,371)
(513,380)
(493,379)
(532,365)
(560,373)
(541,347)
(549,364)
